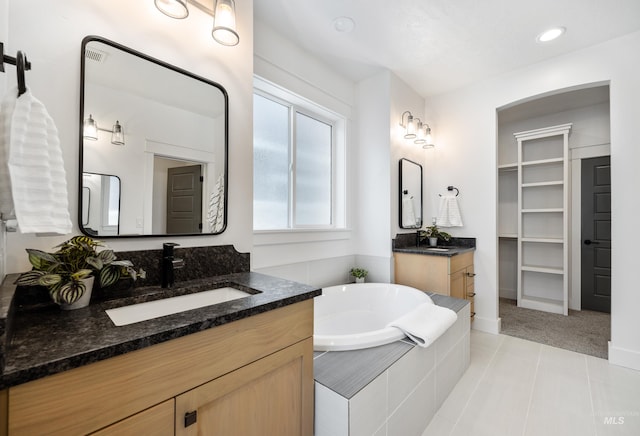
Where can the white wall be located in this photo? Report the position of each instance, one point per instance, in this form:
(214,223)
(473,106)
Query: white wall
(466,157)
(51,33)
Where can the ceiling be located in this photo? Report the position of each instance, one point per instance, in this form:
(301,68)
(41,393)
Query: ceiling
(436,46)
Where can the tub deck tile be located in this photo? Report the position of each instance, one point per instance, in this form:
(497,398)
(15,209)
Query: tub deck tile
(347,372)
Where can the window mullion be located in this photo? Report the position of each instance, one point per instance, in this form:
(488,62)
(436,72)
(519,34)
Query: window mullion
(292,167)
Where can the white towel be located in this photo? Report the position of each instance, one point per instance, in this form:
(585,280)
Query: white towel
(425,323)
(449,212)
(216,206)
(408,212)
(33,184)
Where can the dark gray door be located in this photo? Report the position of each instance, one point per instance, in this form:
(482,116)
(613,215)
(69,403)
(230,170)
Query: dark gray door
(596,234)
(184,199)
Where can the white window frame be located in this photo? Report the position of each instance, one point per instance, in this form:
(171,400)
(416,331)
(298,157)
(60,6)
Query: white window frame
(298,104)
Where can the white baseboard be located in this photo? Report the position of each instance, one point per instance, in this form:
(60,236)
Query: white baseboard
(624,357)
(487,325)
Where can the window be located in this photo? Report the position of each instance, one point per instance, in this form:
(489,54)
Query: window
(296,184)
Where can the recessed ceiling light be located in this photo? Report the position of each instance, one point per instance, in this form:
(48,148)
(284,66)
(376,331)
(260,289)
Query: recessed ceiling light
(344,24)
(550,34)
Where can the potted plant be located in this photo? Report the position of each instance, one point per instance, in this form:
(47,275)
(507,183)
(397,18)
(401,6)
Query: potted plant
(434,233)
(69,273)
(359,274)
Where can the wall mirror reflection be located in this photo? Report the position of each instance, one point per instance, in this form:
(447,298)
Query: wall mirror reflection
(410,194)
(101,204)
(162,133)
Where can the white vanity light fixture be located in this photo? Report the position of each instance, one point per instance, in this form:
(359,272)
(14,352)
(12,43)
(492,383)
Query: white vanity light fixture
(224,23)
(117,135)
(173,8)
(423,135)
(223,13)
(90,129)
(550,34)
(409,125)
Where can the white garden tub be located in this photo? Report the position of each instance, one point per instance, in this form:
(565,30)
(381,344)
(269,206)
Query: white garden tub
(355,316)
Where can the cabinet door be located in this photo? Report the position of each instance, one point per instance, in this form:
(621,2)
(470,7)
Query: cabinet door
(157,421)
(427,273)
(271,396)
(457,284)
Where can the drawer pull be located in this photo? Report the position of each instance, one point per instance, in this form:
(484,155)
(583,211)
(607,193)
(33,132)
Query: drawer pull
(471,274)
(473,314)
(471,295)
(190,418)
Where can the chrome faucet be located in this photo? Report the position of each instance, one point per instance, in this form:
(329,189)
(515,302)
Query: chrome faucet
(169,264)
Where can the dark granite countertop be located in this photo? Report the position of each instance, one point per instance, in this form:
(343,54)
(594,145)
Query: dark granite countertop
(44,340)
(406,243)
(448,251)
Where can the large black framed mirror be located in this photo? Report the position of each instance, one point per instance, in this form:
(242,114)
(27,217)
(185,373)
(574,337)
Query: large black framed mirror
(410,206)
(163,133)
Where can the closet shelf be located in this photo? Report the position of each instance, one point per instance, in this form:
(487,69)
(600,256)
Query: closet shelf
(542,269)
(542,161)
(537,184)
(542,240)
(544,210)
(508,167)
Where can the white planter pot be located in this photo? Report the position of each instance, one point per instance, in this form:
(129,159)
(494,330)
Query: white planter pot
(84,300)
(433,242)
(359,279)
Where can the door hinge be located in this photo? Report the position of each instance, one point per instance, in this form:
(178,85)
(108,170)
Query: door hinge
(190,418)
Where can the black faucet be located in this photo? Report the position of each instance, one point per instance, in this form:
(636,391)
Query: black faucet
(169,264)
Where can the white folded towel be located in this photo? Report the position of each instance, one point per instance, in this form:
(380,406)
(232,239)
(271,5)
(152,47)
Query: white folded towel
(449,212)
(33,184)
(425,323)
(408,212)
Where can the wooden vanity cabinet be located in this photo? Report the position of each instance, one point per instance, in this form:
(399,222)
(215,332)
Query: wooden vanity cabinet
(249,377)
(446,275)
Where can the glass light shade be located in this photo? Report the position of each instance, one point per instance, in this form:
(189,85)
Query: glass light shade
(90,129)
(428,139)
(224,23)
(410,133)
(117,135)
(173,8)
(420,134)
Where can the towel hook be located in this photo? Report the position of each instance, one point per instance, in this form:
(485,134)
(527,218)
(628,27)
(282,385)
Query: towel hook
(451,188)
(22,64)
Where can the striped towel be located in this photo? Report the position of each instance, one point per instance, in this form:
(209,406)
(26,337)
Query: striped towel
(33,184)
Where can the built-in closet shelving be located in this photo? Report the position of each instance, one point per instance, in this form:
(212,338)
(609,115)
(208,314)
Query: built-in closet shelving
(542,197)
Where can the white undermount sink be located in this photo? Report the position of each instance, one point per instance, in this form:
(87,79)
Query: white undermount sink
(133,313)
(437,249)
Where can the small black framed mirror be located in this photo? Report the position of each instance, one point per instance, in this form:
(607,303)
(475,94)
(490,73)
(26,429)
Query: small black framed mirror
(410,204)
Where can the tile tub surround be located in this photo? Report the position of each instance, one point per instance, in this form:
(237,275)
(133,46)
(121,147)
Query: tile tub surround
(44,340)
(391,389)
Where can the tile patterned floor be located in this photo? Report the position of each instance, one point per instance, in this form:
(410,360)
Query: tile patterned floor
(516,387)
